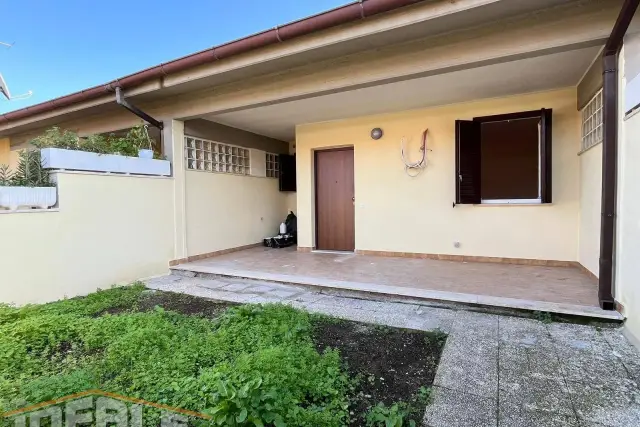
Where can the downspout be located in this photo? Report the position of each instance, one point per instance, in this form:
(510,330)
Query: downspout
(610,151)
(135,110)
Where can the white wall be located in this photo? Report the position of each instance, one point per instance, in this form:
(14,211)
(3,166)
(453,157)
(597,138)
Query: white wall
(590,208)
(226,211)
(397,213)
(627,281)
(109,229)
(627,251)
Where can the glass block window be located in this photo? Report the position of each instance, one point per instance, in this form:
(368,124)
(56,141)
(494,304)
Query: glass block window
(592,122)
(272,165)
(210,156)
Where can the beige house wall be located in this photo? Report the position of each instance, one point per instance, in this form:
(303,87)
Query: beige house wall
(397,213)
(590,208)
(108,230)
(5,151)
(201,128)
(225,211)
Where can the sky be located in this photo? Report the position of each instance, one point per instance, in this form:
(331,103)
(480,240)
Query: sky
(62,46)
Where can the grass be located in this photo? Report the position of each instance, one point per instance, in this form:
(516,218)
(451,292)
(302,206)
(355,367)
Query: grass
(251,366)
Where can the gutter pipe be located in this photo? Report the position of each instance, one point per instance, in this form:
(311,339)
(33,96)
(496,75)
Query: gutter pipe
(352,12)
(610,152)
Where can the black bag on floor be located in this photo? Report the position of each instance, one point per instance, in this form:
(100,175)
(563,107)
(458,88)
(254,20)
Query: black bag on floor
(292,225)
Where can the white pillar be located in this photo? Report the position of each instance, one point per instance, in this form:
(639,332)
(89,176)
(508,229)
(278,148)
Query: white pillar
(173,145)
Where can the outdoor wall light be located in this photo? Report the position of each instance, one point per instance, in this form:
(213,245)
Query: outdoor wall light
(376,133)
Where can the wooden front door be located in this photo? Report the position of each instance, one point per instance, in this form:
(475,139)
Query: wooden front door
(335,211)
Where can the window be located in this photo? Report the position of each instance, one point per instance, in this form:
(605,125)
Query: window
(210,156)
(504,159)
(592,122)
(273,167)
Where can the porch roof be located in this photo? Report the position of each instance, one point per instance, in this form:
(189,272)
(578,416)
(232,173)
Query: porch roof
(528,75)
(330,35)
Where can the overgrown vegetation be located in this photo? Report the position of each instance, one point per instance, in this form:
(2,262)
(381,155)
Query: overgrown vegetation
(544,317)
(30,172)
(250,366)
(399,414)
(253,365)
(137,138)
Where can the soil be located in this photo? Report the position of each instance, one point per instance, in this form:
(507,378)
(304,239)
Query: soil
(184,304)
(392,364)
(172,301)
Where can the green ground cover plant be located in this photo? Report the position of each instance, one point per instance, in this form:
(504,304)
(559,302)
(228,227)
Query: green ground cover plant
(251,365)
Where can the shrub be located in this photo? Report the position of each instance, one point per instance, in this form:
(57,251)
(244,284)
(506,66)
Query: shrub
(30,172)
(137,138)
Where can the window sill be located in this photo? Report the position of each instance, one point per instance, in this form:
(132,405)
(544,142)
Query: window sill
(580,153)
(497,203)
(28,211)
(635,110)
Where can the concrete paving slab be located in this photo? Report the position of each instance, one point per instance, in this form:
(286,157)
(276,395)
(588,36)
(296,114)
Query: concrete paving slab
(260,289)
(512,415)
(517,361)
(211,284)
(282,293)
(469,366)
(306,298)
(237,287)
(594,403)
(584,368)
(532,394)
(622,349)
(451,408)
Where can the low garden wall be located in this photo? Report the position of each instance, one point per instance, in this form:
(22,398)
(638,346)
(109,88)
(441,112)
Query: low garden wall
(107,229)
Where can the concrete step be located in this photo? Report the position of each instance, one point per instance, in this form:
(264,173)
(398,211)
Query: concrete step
(431,298)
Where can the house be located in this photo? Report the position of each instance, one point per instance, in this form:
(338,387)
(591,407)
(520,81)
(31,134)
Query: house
(468,131)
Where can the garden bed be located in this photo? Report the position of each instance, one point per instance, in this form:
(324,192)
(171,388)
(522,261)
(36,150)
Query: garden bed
(392,365)
(245,365)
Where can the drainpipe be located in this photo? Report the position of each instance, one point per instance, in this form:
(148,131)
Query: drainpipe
(610,151)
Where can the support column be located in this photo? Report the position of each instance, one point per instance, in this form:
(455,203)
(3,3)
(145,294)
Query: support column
(173,147)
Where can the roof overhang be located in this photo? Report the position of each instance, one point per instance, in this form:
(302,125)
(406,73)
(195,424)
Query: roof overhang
(528,75)
(296,45)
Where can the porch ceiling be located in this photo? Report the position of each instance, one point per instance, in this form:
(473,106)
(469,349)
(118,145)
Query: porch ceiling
(536,74)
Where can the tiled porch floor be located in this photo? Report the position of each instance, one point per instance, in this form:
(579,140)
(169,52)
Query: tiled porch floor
(556,285)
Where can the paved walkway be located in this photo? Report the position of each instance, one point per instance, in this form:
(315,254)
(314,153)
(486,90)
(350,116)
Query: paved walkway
(495,370)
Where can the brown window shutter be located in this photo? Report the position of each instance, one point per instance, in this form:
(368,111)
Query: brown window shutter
(545,156)
(468,162)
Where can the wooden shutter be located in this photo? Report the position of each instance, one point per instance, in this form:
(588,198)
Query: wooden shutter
(545,156)
(468,162)
(287,167)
